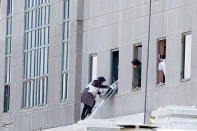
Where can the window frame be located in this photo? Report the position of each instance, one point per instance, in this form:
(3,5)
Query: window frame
(183,42)
(157,61)
(0,9)
(65,50)
(36,54)
(8,51)
(6,107)
(111,62)
(91,56)
(135,46)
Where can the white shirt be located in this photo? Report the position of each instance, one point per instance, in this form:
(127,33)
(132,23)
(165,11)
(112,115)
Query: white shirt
(93,90)
(89,84)
(162,66)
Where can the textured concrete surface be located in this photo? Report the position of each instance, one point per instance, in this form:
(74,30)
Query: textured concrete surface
(102,25)
(55,113)
(176,117)
(118,25)
(104,125)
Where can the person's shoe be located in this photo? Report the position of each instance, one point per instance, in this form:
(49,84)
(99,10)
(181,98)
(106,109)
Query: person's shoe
(82,119)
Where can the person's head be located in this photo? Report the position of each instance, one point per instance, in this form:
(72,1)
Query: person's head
(135,63)
(161,57)
(101,79)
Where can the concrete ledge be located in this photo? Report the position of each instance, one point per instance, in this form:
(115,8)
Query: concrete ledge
(176,117)
(184,111)
(103,125)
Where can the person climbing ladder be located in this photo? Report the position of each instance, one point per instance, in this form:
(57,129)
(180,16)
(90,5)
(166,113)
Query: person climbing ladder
(89,94)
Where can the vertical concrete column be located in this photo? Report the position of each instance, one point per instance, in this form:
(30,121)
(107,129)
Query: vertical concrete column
(55,52)
(78,65)
(17,61)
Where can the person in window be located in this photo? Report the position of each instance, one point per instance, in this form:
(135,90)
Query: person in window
(137,68)
(89,94)
(162,66)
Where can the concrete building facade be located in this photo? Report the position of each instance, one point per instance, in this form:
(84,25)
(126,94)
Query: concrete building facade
(123,25)
(38,96)
(86,39)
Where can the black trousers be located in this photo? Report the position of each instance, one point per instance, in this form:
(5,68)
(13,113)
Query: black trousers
(86,110)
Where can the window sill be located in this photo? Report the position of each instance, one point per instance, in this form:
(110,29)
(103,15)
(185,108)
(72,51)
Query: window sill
(64,101)
(6,113)
(26,109)
(185,80)
(136,90)
(160,85)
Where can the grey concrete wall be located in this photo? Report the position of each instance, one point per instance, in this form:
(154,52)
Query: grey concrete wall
(55,113)
(119,24)
(98,26)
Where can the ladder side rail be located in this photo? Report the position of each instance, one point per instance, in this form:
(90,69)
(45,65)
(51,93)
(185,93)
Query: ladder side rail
(99,107)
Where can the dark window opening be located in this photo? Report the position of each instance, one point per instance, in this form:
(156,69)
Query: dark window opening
(137,54)
(161,65)
(6,98)
(114,66)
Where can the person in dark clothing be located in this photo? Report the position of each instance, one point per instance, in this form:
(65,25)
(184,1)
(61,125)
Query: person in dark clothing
(137,68)
(89,94)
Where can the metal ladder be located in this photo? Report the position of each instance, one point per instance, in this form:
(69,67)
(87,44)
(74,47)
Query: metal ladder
(103,100)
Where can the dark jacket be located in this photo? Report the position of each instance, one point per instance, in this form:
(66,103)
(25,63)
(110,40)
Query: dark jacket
(138,75)
(87,98)
(98,84)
